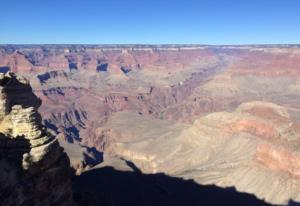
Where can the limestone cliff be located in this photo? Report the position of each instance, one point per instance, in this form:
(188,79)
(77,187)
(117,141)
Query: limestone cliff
(34,170)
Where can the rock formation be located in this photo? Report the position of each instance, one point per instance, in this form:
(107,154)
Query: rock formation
(254,148)
(224,115)
(34,170)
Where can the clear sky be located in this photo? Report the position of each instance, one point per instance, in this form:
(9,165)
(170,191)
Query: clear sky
(149,21)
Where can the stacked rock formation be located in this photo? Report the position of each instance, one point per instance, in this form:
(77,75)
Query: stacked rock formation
(34,170)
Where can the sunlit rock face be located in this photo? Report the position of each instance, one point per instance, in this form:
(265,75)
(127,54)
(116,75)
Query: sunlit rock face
(34,170)
(224,115)
(254,148)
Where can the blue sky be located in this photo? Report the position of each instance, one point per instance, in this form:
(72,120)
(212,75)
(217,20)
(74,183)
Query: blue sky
(150,21)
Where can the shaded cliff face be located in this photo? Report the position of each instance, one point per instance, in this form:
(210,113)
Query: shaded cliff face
(34,169)
(218,115)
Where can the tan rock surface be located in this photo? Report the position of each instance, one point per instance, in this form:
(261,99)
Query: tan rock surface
(244,149)
(34,170)
(225,115)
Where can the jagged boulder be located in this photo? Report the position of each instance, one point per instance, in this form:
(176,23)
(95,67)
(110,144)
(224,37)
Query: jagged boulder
(34,169)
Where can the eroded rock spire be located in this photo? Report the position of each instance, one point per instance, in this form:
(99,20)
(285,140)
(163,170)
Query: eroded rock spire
(34,170)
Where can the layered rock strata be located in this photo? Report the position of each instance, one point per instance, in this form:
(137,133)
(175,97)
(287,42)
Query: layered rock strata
(254,148)
(34,170)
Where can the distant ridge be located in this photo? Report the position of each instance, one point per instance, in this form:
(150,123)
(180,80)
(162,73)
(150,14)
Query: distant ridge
(147,45)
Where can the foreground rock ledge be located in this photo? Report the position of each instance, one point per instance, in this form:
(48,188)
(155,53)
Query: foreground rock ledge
(34,170)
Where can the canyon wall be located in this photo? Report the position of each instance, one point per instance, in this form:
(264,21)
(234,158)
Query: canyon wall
(34,170)
(224,115)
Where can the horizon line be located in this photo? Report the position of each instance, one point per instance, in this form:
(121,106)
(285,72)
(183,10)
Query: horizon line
(150,45)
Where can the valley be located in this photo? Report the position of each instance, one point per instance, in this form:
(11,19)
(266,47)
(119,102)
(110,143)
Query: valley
(227,116)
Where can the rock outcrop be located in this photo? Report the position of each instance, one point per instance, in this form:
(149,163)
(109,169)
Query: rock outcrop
(34,170)
(142,103)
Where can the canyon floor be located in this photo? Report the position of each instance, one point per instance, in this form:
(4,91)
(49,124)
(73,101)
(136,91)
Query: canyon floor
(171,124)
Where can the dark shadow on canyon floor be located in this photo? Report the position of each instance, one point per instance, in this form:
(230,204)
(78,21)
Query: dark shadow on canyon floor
(4,69)
(109,187)
(95,157)
(293,203)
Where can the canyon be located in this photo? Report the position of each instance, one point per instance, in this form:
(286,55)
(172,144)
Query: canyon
(227,116)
